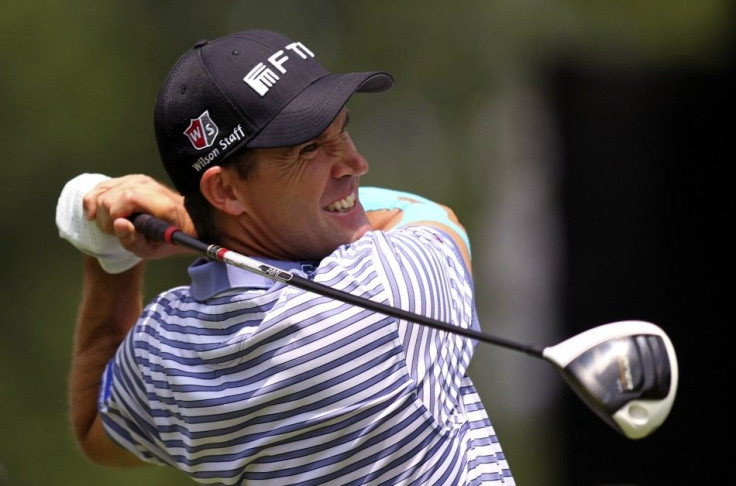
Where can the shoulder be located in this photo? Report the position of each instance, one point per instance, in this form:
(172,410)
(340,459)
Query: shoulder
(423,240)
(421,257)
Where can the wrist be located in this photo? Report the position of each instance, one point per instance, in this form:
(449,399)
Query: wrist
(112,302)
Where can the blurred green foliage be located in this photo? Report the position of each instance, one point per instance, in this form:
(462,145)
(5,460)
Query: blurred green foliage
(77,86)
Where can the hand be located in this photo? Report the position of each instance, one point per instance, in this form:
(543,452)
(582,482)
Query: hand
(83,234)
(111,201)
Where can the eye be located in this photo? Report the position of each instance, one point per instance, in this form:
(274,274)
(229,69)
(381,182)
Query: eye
(310,147)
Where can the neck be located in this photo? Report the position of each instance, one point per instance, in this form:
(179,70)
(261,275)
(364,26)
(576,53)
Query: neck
(240,234)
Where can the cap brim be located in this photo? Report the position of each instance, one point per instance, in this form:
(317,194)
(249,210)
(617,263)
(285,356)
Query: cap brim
(312,111)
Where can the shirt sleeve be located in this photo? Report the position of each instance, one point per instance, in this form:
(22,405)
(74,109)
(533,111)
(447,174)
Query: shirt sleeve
(124,409)
(425,274)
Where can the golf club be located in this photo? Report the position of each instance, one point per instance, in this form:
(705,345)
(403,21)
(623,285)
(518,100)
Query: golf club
(625,371)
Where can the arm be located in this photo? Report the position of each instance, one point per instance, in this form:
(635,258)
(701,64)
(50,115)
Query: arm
(387,209)
(435,284)
(110,306)
(112,302)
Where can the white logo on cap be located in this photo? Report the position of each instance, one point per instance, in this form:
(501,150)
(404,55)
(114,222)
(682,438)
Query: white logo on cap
(261,78)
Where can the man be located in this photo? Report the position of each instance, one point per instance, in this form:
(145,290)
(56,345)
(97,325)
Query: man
(236,379)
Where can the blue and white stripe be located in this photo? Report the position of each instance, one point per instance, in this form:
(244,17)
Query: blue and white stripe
(262,383)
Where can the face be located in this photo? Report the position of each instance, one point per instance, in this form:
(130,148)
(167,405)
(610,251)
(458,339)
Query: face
(302,201)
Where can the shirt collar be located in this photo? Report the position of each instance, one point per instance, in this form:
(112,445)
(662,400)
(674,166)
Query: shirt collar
(210,277)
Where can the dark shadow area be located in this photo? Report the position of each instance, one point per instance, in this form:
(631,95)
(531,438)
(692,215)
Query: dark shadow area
(648,201)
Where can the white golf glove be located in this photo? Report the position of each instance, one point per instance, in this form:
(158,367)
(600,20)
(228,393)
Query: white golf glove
(85,235)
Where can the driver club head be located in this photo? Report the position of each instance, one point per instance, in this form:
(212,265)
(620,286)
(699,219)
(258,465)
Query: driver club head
(625,371)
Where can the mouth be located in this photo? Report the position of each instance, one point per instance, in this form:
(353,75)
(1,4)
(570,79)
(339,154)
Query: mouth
(341,205)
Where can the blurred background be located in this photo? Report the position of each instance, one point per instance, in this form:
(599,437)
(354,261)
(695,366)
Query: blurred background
(584,145)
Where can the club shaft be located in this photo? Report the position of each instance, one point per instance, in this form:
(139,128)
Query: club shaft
(160,230)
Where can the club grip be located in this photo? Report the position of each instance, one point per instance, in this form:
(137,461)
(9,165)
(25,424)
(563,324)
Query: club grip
(151,227)
(156,229)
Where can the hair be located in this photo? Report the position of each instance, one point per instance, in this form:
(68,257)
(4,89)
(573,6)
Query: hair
(204,216)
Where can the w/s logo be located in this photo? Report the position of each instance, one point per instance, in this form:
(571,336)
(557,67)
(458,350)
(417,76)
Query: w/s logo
(202,131)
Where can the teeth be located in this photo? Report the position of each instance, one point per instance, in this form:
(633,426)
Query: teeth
(342,204)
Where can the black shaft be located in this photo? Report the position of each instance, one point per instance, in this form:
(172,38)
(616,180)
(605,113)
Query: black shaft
(157,229)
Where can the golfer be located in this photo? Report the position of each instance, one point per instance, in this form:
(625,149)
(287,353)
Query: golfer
(235,379)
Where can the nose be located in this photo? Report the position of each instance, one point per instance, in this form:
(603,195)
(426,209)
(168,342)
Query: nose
(350,162)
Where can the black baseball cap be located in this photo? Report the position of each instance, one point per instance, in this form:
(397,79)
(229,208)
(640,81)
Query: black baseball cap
(256,89)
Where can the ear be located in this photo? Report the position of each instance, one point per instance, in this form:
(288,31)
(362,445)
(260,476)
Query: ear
(217,187)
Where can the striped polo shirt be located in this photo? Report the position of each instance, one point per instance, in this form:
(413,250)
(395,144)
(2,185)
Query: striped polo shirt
(236,379)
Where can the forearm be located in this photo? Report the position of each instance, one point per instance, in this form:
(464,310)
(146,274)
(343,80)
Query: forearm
(110,306)
(387,209)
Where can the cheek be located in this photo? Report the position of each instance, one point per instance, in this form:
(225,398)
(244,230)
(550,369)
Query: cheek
(295,193)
